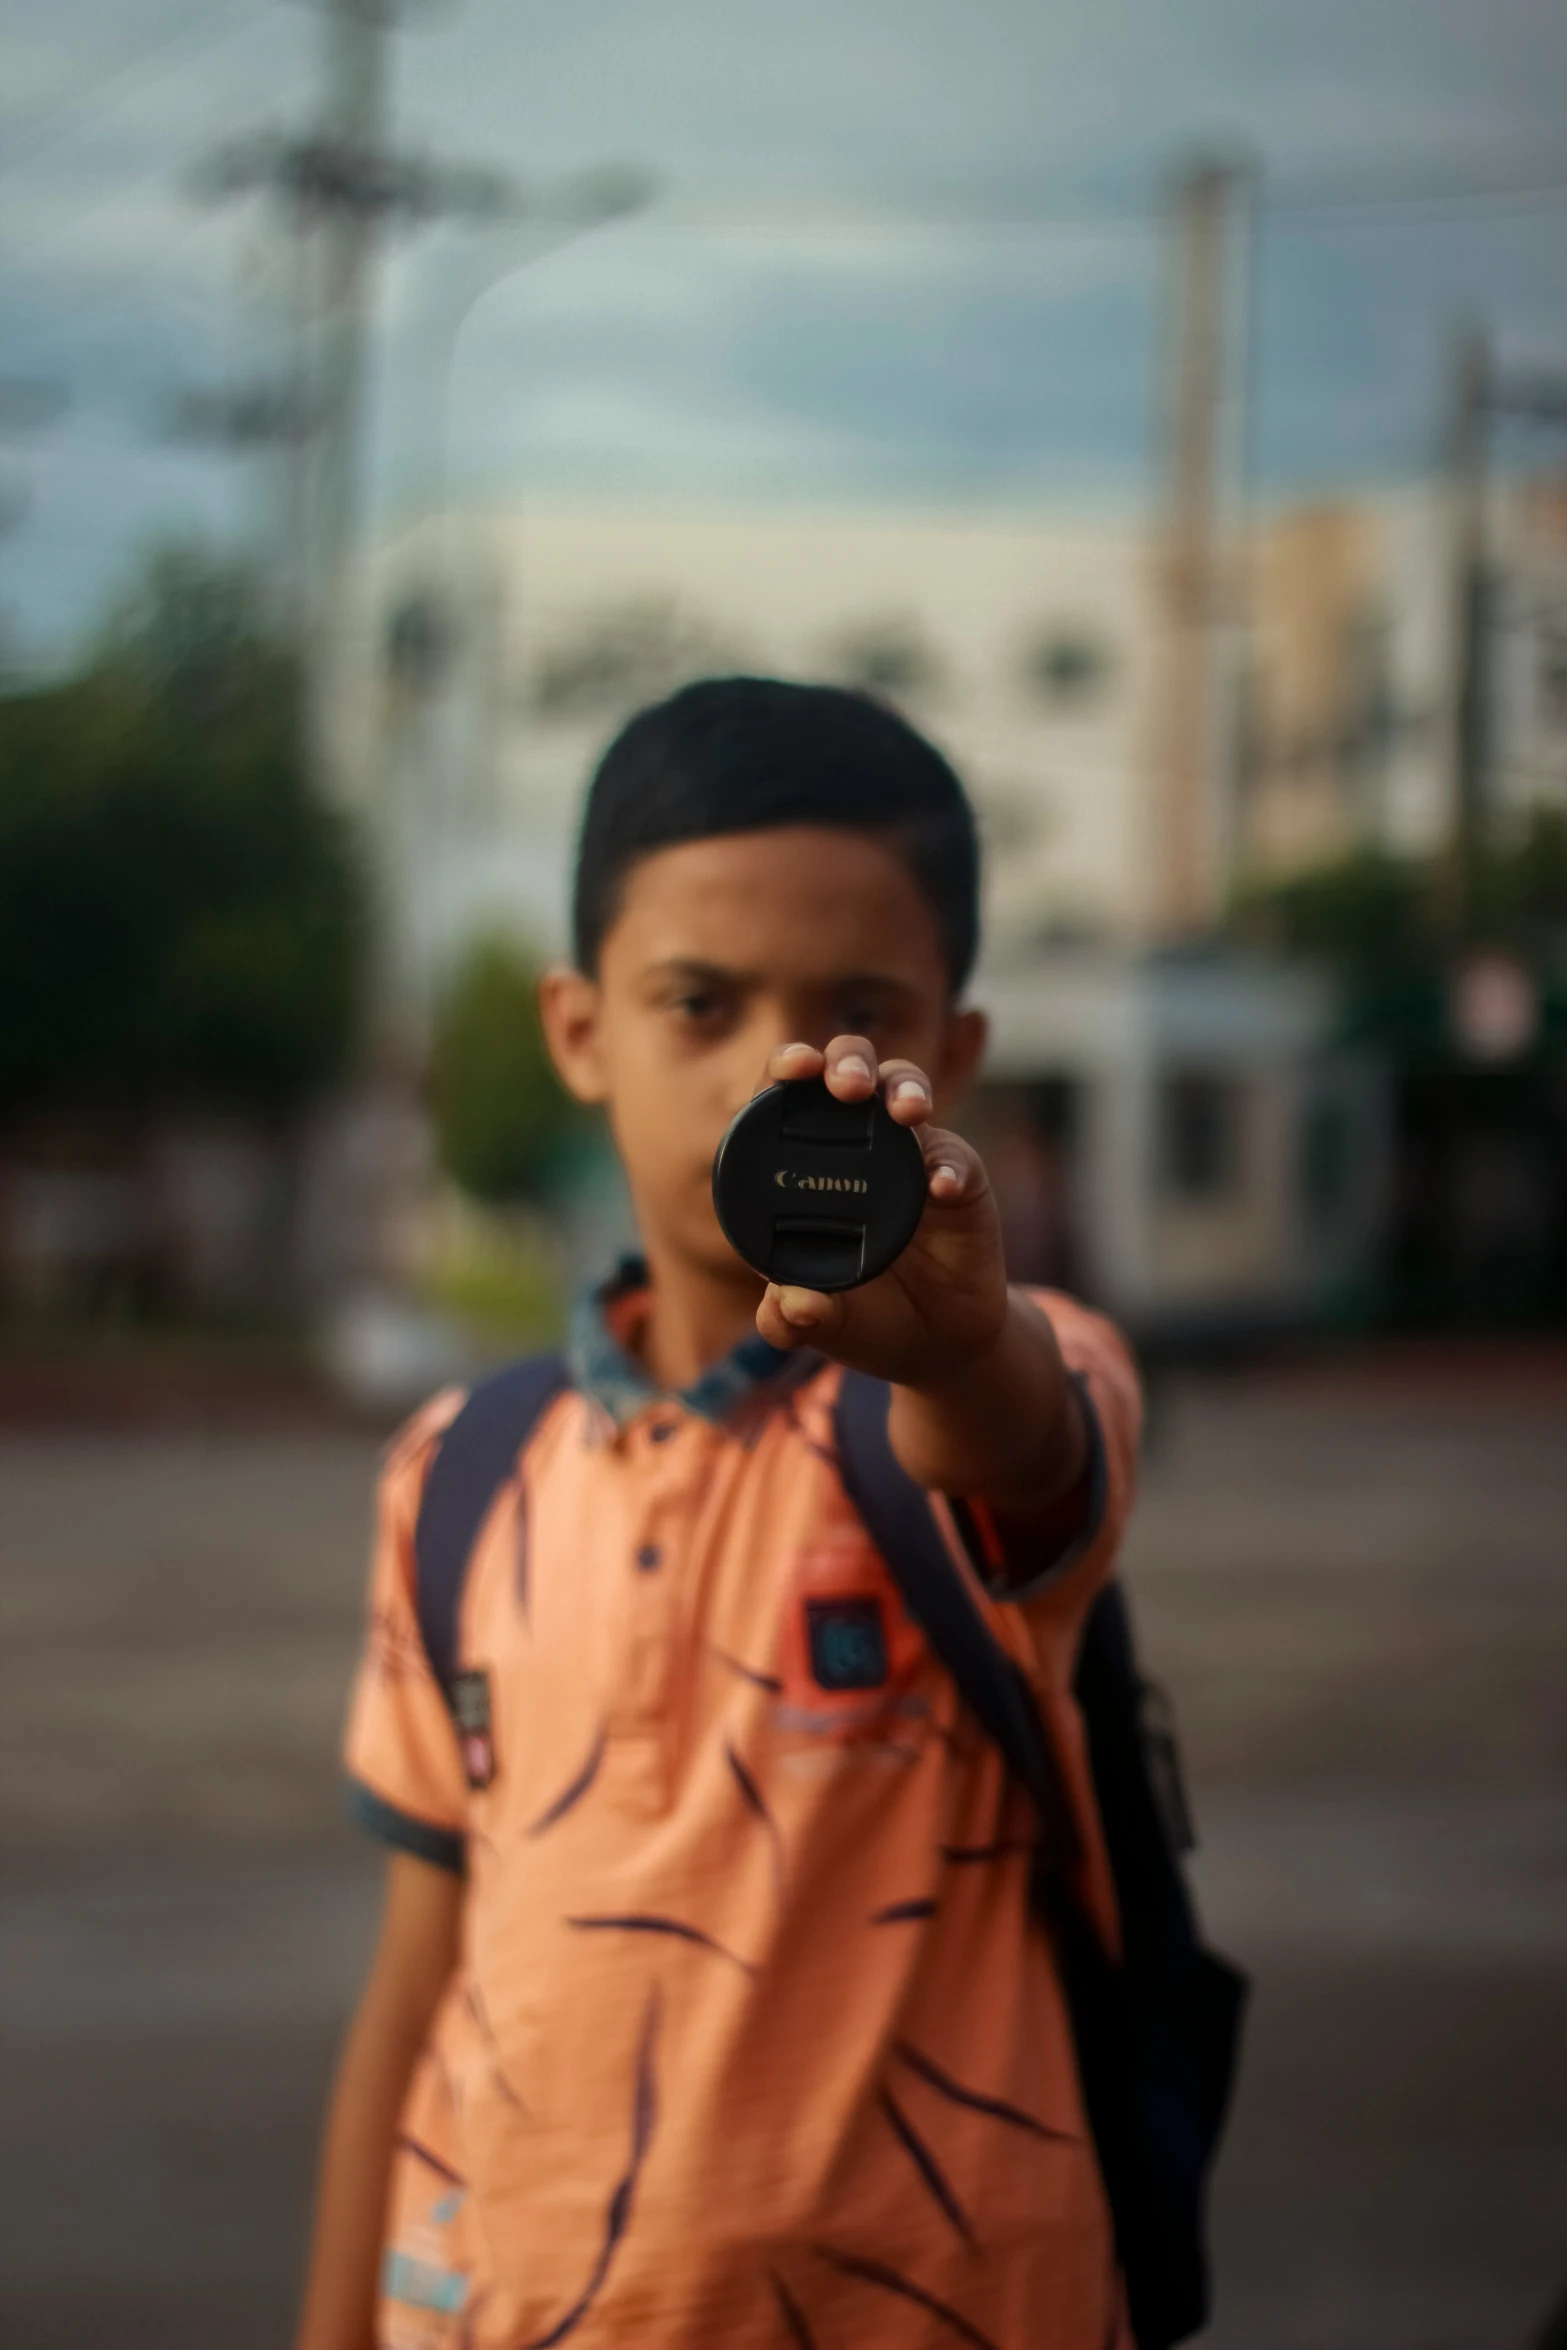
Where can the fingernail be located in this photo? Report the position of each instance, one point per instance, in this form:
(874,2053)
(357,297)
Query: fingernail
(853,1066)
(909,1089)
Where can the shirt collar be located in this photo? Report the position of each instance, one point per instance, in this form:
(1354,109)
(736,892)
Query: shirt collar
(752,1374)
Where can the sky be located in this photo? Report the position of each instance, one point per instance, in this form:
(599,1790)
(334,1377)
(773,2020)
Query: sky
(902,251)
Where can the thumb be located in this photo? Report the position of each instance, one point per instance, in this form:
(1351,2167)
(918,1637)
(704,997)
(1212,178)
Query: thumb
(790,1317)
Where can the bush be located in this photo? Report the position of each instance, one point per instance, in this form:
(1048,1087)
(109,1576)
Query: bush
(498,1277)
(504,1123)
(180,919)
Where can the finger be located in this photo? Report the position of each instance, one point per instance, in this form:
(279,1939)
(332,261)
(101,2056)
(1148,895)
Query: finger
(851,1068)
(907,1091)
(954,1171)
(788,1317)
(791,1061)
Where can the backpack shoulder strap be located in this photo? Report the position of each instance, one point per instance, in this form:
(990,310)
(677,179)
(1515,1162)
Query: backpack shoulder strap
(1156,2031)
(477,1453)
(897,1515)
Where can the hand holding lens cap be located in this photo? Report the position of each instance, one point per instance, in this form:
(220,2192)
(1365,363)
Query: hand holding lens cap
(816,1192)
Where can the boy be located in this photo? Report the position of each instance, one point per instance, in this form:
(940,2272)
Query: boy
(708,2008)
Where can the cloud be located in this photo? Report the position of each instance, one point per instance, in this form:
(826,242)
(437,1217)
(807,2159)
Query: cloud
(95,498)
(817,307)
(647,360)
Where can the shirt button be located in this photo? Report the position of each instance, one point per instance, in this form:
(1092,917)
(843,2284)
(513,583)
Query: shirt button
(648,1557)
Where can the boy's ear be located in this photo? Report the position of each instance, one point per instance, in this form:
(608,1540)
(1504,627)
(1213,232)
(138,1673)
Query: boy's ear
(569,1015)
(962,1051)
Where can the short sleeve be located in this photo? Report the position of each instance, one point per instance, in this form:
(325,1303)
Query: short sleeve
(1099,1361)
(405,1776)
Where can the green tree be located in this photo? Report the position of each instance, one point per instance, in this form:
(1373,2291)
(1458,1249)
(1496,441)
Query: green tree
(180,918)
(1368,911)
(1393,930)
(1371,914)
(503,1120)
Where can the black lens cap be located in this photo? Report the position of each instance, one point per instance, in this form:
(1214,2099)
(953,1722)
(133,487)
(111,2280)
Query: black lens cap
(815,1191)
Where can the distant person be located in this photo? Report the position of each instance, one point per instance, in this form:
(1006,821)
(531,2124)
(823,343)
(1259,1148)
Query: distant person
(709,2006)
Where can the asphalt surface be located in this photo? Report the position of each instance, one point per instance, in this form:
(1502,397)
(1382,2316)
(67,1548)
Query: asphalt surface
(1355,1582)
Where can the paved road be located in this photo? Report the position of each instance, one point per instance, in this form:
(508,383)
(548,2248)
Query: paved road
(1355,1584)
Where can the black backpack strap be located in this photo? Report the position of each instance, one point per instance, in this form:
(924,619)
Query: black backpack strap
(897,1515)
(477,1454)
(1155,2034)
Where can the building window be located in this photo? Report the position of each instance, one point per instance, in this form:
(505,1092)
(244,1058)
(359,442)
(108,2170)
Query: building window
(887,656)
(612,658)
(1067,667)
(1200,1119)
(419,642)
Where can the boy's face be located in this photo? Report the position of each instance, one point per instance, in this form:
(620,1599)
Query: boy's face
(721,950)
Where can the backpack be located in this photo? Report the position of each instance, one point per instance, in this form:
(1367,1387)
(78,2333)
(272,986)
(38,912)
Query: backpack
(1156,2032)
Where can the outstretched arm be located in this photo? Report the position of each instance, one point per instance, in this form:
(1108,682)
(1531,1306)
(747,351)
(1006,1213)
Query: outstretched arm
(981,1402)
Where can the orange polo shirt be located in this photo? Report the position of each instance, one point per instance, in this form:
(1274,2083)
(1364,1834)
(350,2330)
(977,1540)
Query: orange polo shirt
(753,2040)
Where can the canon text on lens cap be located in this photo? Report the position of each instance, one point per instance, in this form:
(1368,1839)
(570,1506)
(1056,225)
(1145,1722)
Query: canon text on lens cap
(815,1191)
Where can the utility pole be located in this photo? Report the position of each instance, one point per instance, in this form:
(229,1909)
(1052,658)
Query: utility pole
(1194,574)
(1482,395)
(339,189)
(354,126)
(1469,432)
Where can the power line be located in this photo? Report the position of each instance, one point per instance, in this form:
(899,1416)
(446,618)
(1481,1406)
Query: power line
(1370,209)
(1416,209)
(1432,205)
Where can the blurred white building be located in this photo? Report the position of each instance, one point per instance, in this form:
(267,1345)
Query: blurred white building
(1346,729)
(507,646)
(1022,648)
(1178,1135)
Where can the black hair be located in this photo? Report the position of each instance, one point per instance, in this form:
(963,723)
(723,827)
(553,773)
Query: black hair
(743,754)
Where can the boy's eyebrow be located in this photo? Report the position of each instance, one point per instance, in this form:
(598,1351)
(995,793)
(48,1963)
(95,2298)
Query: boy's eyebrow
(887,982)
(692,967)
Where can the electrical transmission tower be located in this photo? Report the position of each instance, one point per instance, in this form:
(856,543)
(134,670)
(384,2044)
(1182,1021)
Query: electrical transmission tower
(1482,396)
(339,189)
(1196,577)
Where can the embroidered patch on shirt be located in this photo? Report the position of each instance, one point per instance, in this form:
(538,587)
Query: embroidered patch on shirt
(848,1642)
(471,1706)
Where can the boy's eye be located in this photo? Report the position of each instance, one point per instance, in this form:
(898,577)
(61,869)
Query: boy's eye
(701,1006)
